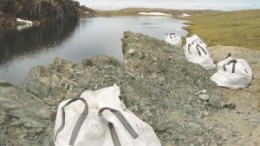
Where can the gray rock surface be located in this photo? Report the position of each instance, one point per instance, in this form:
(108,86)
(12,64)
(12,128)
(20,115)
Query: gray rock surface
(157,81)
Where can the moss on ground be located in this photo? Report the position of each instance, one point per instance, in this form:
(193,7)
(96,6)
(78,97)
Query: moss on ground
(232,28)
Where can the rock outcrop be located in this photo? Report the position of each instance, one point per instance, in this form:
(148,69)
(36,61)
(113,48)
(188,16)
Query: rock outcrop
(41,10)
(174,96)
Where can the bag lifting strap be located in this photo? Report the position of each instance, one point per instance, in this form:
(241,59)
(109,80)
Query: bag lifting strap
(189,45)
(112,129)
(198,48)
(233,65)
(79,122)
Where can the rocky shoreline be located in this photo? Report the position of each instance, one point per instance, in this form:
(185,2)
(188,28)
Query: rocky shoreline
(159,85)
(39,11)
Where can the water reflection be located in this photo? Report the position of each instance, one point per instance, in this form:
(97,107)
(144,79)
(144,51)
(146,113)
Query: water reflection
(29,41)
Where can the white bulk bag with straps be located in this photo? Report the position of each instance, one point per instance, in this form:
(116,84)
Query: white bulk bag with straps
(196,52)
(173,39)
(233,73)
(97,118)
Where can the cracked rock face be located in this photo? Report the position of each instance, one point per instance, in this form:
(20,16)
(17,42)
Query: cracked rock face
(155,78)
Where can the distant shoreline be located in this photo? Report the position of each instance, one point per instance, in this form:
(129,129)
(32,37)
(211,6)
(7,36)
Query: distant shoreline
(135,11)
(222,5)
(229,28)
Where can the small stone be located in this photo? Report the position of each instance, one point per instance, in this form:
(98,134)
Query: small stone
(215,102)
(4,83)
(205,113)
(188,108)
(57,61)
(131,51)
(2,118)
(44,113)
(224,136)
(54,80)
(203,97)
(203,91)
(229,105)
(86,62)
(141,55)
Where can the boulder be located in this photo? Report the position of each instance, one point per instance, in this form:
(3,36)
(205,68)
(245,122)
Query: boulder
(22,118)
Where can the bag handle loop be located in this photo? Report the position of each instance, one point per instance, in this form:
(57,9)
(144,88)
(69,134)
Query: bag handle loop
(79,122)
(198,48)
(123,121)
(233,65)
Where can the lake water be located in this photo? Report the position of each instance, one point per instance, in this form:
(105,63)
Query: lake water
(22,50)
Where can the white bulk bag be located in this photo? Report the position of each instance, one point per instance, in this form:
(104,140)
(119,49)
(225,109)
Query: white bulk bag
(233,73)
(196,52)
(97,118)
(173,39)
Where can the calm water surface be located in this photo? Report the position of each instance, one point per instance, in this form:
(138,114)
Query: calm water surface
(22,50)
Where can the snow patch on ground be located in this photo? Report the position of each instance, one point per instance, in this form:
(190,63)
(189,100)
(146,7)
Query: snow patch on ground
(23,24)
(184,15)
(154,13)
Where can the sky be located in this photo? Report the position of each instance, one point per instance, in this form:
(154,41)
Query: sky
(173,4)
